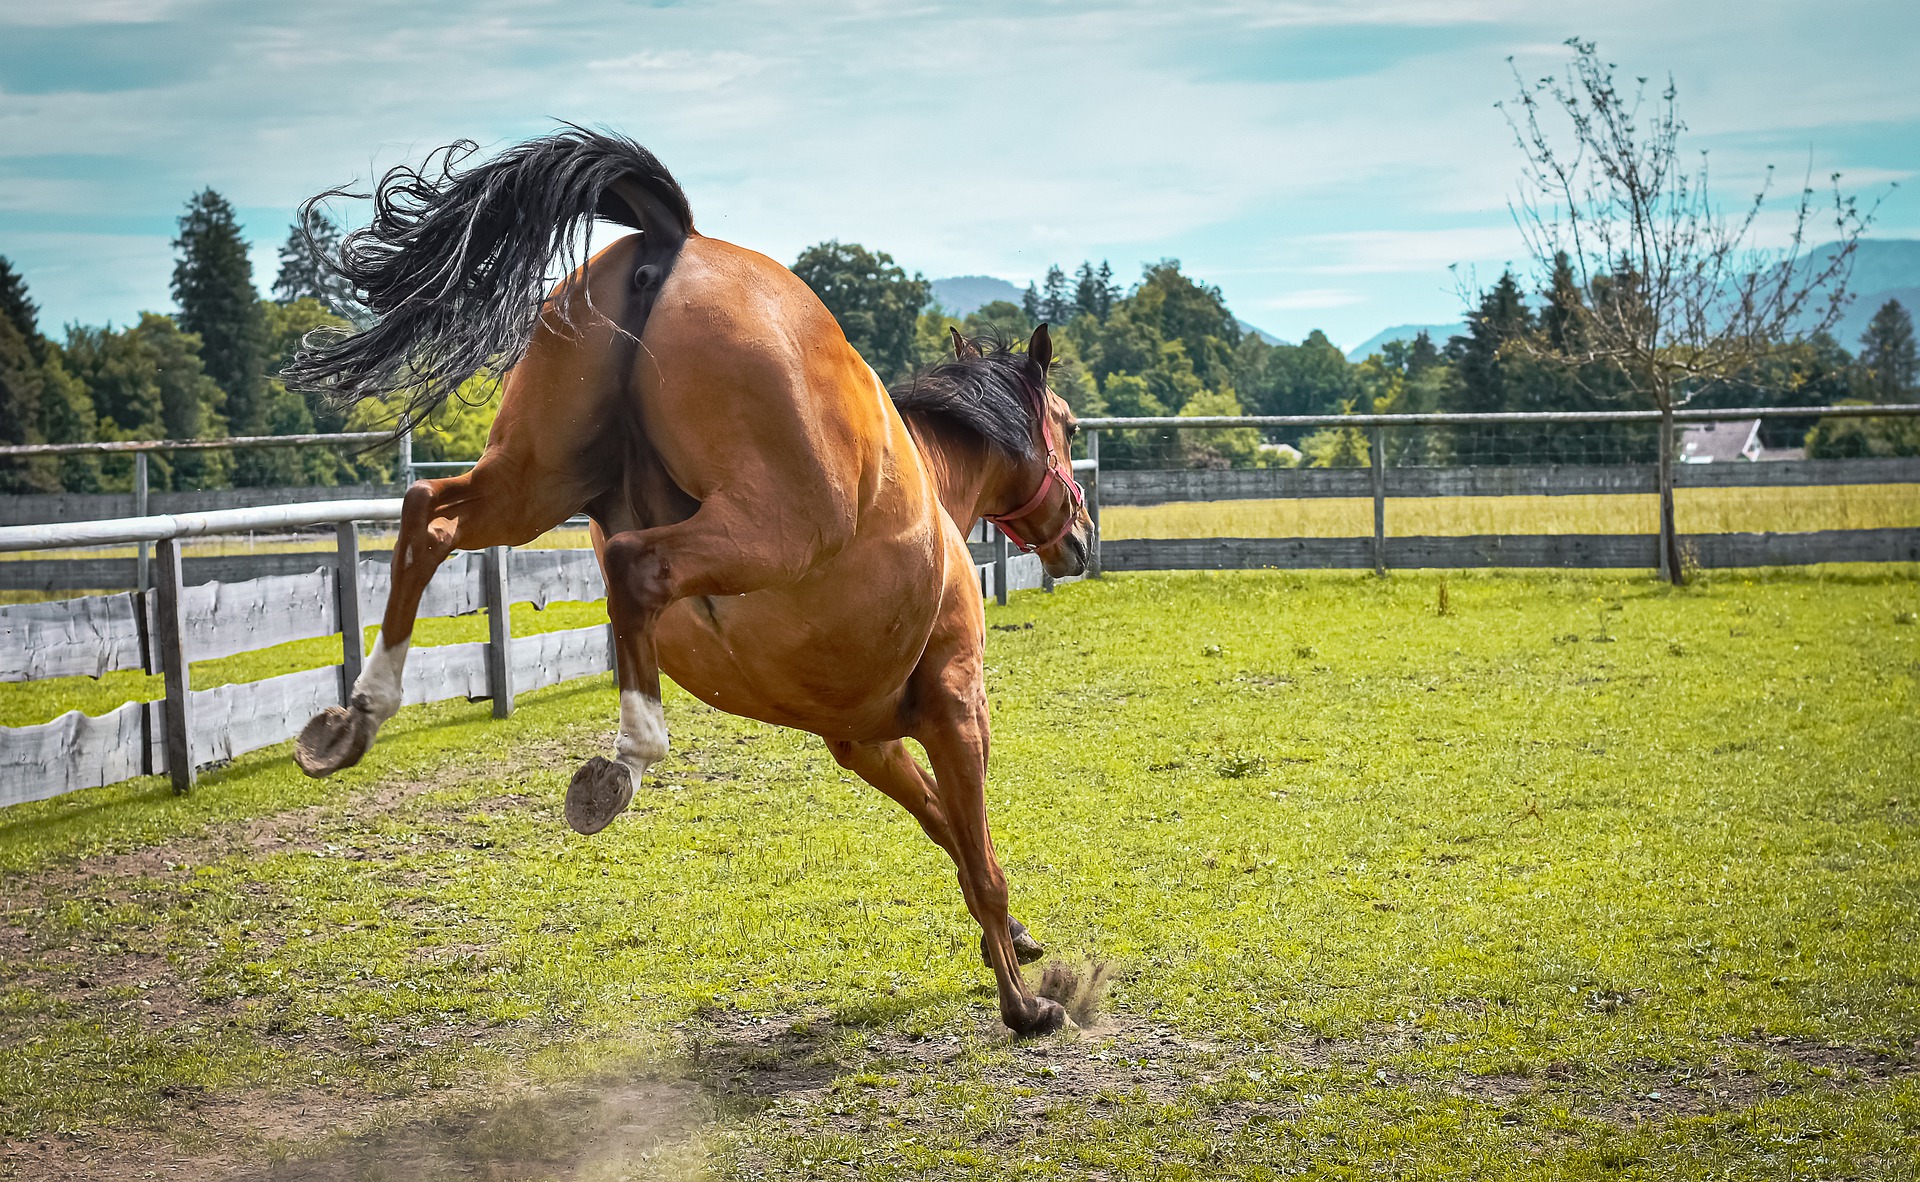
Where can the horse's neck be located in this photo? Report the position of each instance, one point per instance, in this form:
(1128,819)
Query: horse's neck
(966,472)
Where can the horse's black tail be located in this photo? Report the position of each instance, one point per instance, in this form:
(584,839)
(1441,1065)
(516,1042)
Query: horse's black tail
(455,262)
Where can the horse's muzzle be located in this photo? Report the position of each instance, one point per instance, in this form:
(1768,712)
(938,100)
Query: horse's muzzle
(1069,557)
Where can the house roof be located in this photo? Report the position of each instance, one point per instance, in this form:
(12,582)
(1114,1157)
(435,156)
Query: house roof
(1708,443)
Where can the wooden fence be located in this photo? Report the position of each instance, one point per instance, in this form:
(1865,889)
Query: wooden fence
(1383,552)
(183,620)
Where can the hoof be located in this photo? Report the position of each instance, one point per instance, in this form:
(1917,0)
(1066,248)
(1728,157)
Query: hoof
(334,738)
(600,790)
(1026,949)
(1042,1018)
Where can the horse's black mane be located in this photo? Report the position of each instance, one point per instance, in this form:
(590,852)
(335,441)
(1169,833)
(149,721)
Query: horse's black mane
(989,395)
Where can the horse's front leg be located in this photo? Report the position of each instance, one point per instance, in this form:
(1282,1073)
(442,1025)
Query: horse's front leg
(955,734)
(891,768)
(723,549)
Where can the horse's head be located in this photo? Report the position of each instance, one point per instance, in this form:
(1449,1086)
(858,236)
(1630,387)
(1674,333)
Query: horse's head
(1008,441)
(1046,511)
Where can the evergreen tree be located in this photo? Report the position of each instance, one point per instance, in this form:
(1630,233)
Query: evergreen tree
(18,309)
(1030,303)
(1086,293)
(1887,353)
(213,285)
(1485,374)
(872,298)
(40,402)
(1055,306)
(305,272)
(1421,356)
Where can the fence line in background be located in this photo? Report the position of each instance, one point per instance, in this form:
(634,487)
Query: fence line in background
(1379,481)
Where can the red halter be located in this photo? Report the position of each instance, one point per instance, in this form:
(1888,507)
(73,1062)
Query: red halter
(1056,473)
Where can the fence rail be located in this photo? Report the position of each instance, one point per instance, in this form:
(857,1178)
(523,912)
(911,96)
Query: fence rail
(165,630)
(1381,481)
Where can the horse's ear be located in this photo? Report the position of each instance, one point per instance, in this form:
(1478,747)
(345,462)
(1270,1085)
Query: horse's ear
(1040,347)
(962,347)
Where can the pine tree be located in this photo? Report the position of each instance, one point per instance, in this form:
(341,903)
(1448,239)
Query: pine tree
(1887,353)
(40,402)
(18,308)
(1485,377)
(213,284)
(1421,355)
(304,269)
(1086,299)
(1055,307)
(1030,303)
(1094,291)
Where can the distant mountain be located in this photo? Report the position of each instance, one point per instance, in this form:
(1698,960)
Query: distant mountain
(1883,269)
(962,294)
(1404,332)
(1262,333)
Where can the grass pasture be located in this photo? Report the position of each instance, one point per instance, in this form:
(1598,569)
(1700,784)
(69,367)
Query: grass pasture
(1586,877)
(1696,511)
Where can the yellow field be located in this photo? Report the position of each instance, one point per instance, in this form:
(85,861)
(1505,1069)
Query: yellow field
(1699,511)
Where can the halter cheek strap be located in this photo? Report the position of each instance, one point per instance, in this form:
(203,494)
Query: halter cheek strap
(1056,473)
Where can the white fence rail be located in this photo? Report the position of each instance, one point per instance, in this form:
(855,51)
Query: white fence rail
(165,630)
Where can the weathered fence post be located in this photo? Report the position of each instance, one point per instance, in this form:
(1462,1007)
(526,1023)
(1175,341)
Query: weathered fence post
(1093,500)
(493,574)
(404,460)
(171,621)
(1669,567)
(999,566)
(141,563)
(1378,461)
(346,598)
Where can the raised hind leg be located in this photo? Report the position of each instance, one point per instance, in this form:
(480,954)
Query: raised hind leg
(891,768)
(725,548)
(481,508)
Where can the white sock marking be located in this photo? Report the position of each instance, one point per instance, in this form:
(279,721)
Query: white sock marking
(379,679)
(643,733)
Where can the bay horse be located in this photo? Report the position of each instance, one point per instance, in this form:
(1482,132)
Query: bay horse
(779,532)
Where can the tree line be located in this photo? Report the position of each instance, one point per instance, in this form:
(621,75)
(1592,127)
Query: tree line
(207,370)
(1170,345)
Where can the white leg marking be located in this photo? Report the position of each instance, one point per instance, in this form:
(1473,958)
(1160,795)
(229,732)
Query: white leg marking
(643,733)
(379,679)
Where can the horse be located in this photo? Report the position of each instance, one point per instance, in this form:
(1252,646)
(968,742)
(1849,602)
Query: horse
(779,532)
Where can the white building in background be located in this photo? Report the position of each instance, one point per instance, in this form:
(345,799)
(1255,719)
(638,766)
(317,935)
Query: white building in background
(1720,443)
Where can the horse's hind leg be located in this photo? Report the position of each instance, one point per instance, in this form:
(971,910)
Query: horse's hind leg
(891,768)
(472,511)
(723,549)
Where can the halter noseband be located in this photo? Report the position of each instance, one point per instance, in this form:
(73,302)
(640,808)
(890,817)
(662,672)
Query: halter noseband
(1056,473)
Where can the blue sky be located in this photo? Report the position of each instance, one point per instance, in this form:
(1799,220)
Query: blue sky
(1323,163)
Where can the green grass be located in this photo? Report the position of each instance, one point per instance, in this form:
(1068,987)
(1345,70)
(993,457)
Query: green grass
(1392,893)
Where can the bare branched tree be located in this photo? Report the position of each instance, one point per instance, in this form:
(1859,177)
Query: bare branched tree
(1679,295)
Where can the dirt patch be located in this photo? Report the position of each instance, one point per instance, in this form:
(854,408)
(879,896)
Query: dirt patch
(632,1127)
